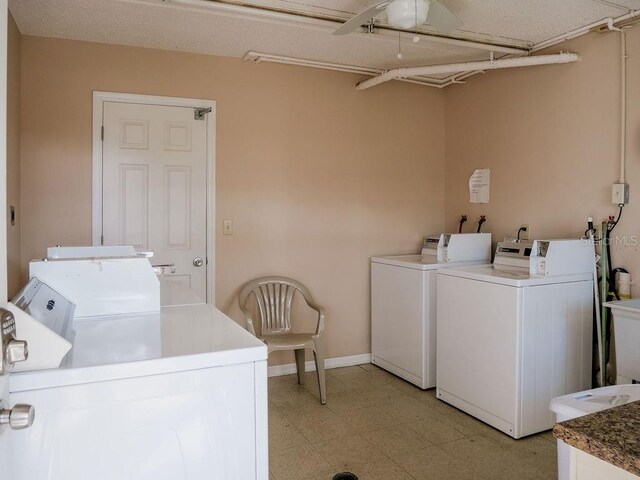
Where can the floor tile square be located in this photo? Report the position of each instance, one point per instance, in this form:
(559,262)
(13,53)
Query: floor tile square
(397,440)
(344,454)
(299,463)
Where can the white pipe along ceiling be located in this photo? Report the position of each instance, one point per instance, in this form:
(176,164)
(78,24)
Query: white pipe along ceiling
(607,22)
(555,59)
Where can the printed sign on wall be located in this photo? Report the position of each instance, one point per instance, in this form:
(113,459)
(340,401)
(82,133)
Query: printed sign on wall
(479,185)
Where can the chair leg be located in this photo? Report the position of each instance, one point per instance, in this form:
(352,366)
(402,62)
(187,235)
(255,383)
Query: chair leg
(318,355)
(300,364)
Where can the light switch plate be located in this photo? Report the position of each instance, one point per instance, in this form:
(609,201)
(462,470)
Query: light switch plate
(227,227)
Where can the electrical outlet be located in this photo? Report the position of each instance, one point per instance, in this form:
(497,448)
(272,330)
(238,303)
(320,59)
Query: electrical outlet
(227,227)
(524,234)
(620,194)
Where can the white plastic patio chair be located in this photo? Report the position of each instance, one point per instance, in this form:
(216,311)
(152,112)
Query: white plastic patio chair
(274,296)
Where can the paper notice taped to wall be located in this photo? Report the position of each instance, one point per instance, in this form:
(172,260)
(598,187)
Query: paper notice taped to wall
(479,185)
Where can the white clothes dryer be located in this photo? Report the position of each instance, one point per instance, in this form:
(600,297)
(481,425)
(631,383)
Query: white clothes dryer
(145,393)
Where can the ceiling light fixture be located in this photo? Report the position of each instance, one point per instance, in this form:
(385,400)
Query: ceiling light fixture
(407,14)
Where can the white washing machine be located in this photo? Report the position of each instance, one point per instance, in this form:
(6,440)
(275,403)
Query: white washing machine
(144,393)
(513,335)
(403,303)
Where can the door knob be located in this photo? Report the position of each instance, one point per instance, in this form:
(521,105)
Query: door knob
(198,261)
(19,417)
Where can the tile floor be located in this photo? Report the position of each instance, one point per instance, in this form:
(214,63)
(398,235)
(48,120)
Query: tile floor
(380,427)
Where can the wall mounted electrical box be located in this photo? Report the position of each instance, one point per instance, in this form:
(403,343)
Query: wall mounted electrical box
(620,193)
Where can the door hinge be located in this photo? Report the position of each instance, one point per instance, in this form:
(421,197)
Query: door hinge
(102,133)
(199,113)
(102,240)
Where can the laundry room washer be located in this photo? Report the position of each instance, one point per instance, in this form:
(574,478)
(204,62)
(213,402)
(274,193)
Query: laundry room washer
(403,303)
(513,335)
(144,393)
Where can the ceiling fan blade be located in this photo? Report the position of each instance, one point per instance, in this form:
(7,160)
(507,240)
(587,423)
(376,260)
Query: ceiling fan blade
(441,18)
(361,18)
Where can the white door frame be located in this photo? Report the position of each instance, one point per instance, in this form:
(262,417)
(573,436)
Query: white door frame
(4,67)
(96,202)
(7,442)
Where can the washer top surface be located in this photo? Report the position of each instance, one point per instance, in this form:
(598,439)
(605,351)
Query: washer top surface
(418,262)
(510,276)
(133,345)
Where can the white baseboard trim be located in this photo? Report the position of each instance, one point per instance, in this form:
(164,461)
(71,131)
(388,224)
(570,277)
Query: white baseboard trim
(310,366)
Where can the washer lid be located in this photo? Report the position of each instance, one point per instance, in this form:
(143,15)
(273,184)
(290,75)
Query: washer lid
(590,401)
(126,346)
(511,276)
(419,262)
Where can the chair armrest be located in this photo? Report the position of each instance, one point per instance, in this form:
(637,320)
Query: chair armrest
(321,315)
(248,321)
(249,325)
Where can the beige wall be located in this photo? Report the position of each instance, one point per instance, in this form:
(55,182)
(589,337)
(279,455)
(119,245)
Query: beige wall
(13,157)
(550,136)
(316,176)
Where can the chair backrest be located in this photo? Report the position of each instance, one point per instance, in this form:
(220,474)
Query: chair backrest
(274,296)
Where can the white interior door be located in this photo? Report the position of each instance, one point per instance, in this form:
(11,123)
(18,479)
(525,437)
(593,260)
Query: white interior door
(154,193)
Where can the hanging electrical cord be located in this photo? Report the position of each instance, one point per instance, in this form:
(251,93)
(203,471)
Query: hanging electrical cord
(483,219)
(607,291)
(463,218)
(590,233)
(610,278)
(604,313)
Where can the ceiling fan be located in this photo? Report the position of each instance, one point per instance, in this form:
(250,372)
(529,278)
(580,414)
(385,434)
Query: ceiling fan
(406,15)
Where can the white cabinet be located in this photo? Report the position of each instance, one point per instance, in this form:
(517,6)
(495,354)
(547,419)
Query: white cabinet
(183,426)
(587,467)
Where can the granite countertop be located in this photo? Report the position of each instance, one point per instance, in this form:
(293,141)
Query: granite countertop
(611,435)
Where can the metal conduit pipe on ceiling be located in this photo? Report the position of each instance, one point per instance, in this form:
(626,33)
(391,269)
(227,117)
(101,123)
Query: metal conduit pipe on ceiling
(626,20)
(629,17)
(383,33)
